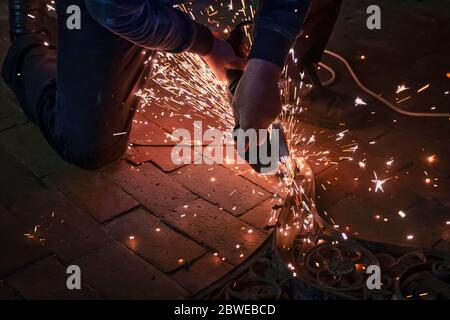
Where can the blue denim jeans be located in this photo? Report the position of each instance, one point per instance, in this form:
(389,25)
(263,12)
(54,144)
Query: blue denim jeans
(304,24)
(82,92)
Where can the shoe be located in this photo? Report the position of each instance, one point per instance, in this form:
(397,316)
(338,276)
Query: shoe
(26,17)
(330,109)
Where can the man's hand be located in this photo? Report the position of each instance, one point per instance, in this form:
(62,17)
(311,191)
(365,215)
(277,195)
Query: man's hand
(257,101)
(222,58)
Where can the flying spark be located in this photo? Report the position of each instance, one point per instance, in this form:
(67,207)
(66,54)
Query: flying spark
(379,183)
(360,102)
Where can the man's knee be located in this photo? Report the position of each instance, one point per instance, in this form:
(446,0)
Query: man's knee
(87,160)
(92,153)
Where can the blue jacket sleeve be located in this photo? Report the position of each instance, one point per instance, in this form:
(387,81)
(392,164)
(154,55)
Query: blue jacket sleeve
(152,24)
(277,25)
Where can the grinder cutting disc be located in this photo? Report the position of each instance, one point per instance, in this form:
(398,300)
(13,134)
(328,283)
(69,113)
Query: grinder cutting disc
(266,155)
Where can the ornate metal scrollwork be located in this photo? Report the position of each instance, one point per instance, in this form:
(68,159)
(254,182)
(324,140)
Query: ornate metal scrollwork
(310,259)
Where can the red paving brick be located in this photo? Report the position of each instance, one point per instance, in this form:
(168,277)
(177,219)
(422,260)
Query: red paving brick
(46,280)
(7,293)
(394,198)
(116,273)
(263,215)
(171,120)
(314,139)
(321,160)
(157,191)
(271,184)
(218,185)
(386,163)
(10,114)
(393,144)
(216,229)
(16,248)
(436,157)
(160,156)
(15,179)
(443,246)
(99,197)
(144,233)
(202,273)
(379,124)
(335,183)
(425,182)
(427,127)
(27,144)
(361,218)
(64,228)
(431,215)
(146,133)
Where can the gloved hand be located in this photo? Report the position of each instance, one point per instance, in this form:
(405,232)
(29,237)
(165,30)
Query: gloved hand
(222,58)
(256,102)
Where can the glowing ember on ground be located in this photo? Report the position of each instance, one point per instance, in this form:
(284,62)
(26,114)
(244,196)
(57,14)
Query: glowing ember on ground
(431,159)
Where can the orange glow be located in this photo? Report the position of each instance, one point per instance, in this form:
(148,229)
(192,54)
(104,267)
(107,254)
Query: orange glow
(431,159)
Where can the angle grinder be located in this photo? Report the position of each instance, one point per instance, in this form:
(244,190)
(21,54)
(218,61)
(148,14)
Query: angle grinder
(264,153)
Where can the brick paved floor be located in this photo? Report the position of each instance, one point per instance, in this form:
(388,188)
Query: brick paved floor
(147,228)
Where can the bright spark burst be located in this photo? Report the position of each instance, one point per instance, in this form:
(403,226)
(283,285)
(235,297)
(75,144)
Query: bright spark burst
(379,183)
(401,88)
(359,102)
(362,165)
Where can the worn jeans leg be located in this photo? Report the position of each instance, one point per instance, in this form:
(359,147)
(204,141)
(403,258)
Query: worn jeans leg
(277,24)
(316,31)
(80,94)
